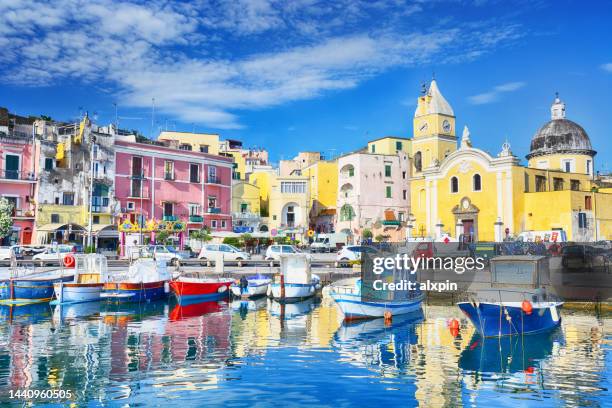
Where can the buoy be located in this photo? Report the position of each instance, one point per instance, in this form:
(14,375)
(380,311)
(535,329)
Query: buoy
(388,317)
(69,261)
(527,307)
(454,324)
(311,233)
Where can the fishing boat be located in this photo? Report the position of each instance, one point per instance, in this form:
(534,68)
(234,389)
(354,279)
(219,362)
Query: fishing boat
(255,286)
(145,280)
(90,273)
(295,280)
(188,289)
(25,286)
(517,302)
(350,300)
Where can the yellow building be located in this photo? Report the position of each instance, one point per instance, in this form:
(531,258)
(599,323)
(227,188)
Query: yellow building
(390,145)
(263,180)
(467,192)
(246,205)
(323,181)
(197,142)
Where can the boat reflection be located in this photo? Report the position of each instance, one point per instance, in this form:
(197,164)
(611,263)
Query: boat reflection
(29,313)
(71,311)
(289,311)
(375,343)
(244,306)
(509,354)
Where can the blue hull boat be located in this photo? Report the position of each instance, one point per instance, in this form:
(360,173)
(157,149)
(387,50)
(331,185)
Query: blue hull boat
(27,290)
(497,319)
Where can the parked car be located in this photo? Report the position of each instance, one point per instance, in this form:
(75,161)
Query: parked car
(229,252)
(353,252)
(7,251)
(274,252)
(54,253)
(165,253)
(32,249)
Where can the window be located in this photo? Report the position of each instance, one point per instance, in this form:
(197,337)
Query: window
(400,216)
(212,174)
(293,187)
(526,182)
(346,213)
(137,166)
(68,199)
(351,171)
(588,167)
(169,170)
(194,173)
(131,206)
(49,163)
(454,184)
(96,219)
(212,202)
(194,209)
(567,166)
(244,207)
(387,170)
(418,161)
(557,184)
(136,189)
(388,192)
(405,194)
(575,185)
(55,218)
(96,167)
(95,151)
(540,182)
(373,148)
(168,209)
(404,175)
(185,146)
(11,169)
(477,182)
(213,224)
(398,145)
(223,224)
(582,220)
(203,148)
(587,203)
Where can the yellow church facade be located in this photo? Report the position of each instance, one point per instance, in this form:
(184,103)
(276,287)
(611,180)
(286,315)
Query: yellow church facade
(463,191)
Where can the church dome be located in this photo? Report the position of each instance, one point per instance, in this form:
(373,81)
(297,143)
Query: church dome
(560,135)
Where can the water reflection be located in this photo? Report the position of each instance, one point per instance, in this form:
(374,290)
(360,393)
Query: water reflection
(255,351)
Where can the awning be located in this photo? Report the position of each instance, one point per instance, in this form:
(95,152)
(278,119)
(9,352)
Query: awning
(389,215)
(105,230)
(56,226)
(328,212)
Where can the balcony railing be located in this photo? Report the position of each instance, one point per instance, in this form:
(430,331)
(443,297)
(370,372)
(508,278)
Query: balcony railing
(17,175)
(196,218)
(140,175)
(245,216)
(214,210)
(137,195)
(20,213)
(213,180)
(170,218)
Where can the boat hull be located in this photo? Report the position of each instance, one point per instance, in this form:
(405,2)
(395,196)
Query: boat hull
(77,292)
(293,291)
(134,292)
(186,291)
(353,307)
(24,290)
(507,319)
(253,290)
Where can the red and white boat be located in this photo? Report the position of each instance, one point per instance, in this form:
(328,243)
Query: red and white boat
(189,290)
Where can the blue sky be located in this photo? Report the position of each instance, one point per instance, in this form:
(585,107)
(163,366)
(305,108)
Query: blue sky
(311,75)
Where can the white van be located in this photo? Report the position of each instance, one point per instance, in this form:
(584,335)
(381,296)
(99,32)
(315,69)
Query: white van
(328,242)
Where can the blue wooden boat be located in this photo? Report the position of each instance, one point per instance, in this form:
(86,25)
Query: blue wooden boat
(517,302)
(30,288)
(146,280)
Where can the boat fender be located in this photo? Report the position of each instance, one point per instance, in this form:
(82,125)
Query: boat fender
(222,289)
(69,261)
(527,307)
(454,324)
(166,287)
(388,317)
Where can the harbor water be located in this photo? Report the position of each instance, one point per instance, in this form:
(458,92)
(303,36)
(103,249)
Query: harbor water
(246,353)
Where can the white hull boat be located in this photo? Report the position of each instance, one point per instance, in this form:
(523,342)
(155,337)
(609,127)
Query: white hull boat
(257,286)
(90,274)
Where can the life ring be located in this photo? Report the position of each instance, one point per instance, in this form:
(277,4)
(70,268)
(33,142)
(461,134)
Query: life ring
(69,261)
(311,233)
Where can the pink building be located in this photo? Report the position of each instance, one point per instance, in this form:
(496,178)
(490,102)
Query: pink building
(17,176)
(169,184)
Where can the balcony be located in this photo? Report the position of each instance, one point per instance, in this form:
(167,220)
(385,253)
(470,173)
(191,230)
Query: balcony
(19,213)
(214,210)
(246,216)
(213,180)
(138,176)
(196,218)
(135,195)
(17,176)
(170,218)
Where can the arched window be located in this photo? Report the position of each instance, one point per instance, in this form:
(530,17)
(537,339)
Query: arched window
(477,182)
(454,184)
(418,161)
(346,213)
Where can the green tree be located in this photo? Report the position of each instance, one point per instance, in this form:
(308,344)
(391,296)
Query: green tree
(202,235)
(231,241)
(161,238)
(6,219)
(367,233)
(381,238)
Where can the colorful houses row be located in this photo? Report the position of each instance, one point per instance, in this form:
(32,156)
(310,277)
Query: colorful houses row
(428,185)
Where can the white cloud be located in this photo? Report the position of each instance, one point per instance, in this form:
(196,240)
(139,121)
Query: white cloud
(607,67)
(495,93)
(205,60)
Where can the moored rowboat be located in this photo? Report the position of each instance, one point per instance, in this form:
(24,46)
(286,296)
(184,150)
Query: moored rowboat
(198,289)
